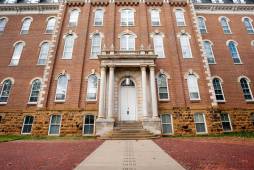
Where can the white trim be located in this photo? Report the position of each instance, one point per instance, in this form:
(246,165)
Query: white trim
(65,90)
(229,120)
(49,128)
(31,89)
(27,124)
(96,87)
(171,123)
(204,117)
(158,94)
(83,124)
(222,91)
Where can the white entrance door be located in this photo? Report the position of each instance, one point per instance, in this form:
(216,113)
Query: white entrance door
(127,101)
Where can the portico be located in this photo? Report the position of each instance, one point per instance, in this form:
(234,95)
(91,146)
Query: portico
(127,90)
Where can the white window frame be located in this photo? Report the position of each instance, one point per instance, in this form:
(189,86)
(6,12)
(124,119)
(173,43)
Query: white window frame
(196,88)
(128,36)
(27,125)
(228,26)
(2,88)
(31,91)
(130,17)
(92,46)
(158,41)
(16,55)
(158,87)
(50,28)
(222,92)
(25,28)
(212,53)
(84,123)
(97,17)
(71,49)
(180,18)
(73,20)
(251,25)
(204,118)
(65,94)
(204,25)
(42,54)
(170,123)
(155,17)
(237,52)
(55,124)
(249,88)
(217,1)
(97,84)
(229,120)
(184,47)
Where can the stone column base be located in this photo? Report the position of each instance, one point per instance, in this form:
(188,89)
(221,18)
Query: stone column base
(103,126)
(153,125)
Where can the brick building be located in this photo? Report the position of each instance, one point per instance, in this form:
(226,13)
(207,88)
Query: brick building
(81,67)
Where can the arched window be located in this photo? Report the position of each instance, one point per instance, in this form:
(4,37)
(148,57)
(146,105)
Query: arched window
(43,56)
(25,26)
(73,21)
(209,52)
(180,21)
(185,46)
(248,25)
(155,17)
(3,22)
(61,89)
(127,42)
(51,25)
(17,53)
(246,89)
(234,52)
(5,91)
(96,45)
(35,90)
(92,86)
(127,17)
(68,46)
(202,25)
(98,17)
(218,90)
(158,45)
(162,84)
(192,82)
(225,25)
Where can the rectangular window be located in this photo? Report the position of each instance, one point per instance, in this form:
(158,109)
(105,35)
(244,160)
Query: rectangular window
(27,125)
(55,125)
(167,125)
(155,17)
(199,119)
(252,118)
(193,88)
(226,123)
(185,46)
(98,17)
(180,21)
(158,46)
(127,17)
(1,117)
(88,125)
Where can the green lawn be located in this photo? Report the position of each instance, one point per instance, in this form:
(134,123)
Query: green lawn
(7,138)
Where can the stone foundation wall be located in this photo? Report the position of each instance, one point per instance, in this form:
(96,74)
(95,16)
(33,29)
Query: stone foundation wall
(72,121)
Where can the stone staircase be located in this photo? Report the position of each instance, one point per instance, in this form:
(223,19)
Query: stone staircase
(129,131)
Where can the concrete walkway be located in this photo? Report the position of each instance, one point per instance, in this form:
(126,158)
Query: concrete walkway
(129,155)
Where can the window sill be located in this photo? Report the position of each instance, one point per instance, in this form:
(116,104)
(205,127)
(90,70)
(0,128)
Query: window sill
(12,65)
(156,25)
(181,25)
(195,100)
(228,33)
(48,33)
(249,101)
(66,58)
(26,133)
(59,101)
(3,103)
(88,135)
(91,101)
(40,64)
(238,63)
(187,58)
(93,58)
(32,103)
(212,63)
(98,25)
(251,33)
(164,101)
(127,25)
(221,101)
(201,133)
(54,135)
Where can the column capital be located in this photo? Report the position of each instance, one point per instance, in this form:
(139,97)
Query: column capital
(111,66)
(103,67)
(152,67)
(143,67)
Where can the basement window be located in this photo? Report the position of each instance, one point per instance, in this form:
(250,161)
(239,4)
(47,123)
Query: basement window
(200,123)
(27,125)
(226,123)
(251,117)
(88,125)
(55,125)
(1,119)
(167,124)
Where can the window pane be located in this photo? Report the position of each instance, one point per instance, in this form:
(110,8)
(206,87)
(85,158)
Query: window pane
(180,18)
(185,46)
(88,129)
(88,124)
(54,129)
(98,17)
(73,18)
(166,118)
(166,129)
(200,127)
(5,91)
(26,25)
(3,22)
(51,25)
(61,87)
(27,129)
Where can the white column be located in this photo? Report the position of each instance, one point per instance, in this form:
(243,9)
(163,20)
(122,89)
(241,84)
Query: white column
(111,92)
(143,75)
(102,110)
(153,92)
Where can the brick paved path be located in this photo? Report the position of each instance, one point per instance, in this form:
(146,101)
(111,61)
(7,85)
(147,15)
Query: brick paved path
(44,155)
(222,153)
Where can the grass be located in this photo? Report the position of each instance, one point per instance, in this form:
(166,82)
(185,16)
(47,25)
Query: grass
(242,134)
(7,138)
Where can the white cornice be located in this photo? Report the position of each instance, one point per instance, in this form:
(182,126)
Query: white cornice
(14,9)
(225,8)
